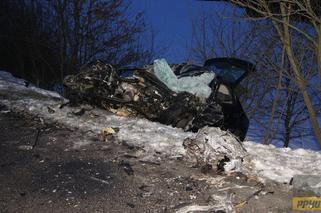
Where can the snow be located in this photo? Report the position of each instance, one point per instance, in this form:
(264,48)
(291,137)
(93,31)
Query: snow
(11,84)
(281,164)
(266,162)
(6,76)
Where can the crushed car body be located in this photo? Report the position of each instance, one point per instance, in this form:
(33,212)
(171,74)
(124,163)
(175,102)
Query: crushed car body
(182,95)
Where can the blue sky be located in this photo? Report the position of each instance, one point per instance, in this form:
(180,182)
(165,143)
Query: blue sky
(172,22)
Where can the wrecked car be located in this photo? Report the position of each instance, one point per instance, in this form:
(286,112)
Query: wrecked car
(182,95)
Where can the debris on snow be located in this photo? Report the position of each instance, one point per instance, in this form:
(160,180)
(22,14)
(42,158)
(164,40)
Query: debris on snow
(126,167)
(25,147)
(99,180)
(267,162)
(108,133)
(211,145)
(79,112)
(218,203)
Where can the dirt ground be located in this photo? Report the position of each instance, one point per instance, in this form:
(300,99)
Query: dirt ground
(42,170)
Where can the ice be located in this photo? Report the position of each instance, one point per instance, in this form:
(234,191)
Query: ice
(197,85)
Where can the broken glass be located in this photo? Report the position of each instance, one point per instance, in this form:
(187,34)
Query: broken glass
(196,85)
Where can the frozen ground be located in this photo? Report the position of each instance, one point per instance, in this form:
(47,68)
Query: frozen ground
(154,139)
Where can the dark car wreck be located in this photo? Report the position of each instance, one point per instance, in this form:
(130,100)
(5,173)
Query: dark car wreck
(184,96)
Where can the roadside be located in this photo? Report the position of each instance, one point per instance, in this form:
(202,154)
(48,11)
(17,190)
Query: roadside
(104,176)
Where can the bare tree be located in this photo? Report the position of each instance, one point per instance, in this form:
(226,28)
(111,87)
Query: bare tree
(96,29)
(218,35)
(271,98)
(26,44)
(45,40)
(224,35)
(286,17)
(288,105)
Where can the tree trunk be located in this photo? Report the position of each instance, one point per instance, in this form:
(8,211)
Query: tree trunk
(267,135)
(318,30)
(288,115)
(298,77)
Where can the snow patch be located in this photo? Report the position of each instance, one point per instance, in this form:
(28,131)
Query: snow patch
(281,164)
(11,84)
